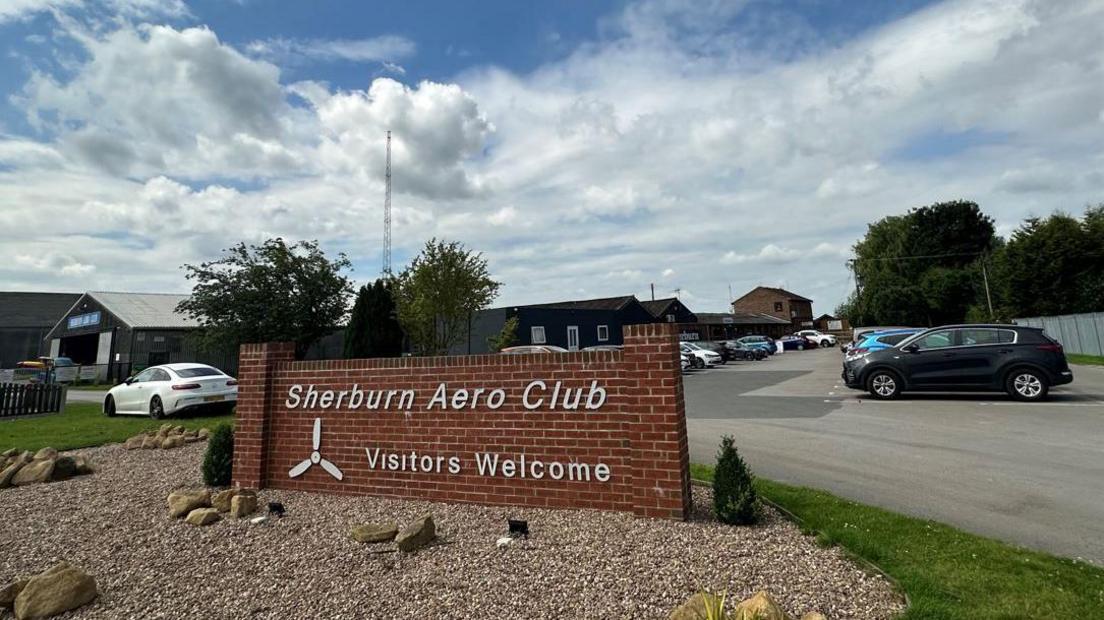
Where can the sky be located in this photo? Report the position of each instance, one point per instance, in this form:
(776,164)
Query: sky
(586,149)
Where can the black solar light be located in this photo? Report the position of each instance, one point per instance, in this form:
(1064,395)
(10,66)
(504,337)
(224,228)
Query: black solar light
(518,528)
(276,508)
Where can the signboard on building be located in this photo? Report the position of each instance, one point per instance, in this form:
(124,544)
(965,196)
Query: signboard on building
(84,320)
(596,429)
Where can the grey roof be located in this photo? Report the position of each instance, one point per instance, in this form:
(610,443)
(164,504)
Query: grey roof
(145,310)
(605,303)
(740,318)
(34,309)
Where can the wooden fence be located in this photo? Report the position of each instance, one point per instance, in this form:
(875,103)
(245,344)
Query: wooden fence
(30,398)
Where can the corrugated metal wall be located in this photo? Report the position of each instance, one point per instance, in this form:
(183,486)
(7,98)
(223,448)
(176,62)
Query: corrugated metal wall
(1078,333)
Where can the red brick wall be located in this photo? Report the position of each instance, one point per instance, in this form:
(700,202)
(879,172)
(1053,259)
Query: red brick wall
(639,433)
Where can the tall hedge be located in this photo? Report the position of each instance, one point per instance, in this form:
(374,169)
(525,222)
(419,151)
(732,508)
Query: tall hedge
(218,463)
(734,497)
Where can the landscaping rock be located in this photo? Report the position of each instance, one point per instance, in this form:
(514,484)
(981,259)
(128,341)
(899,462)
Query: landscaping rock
(172,441)
(84,466)
(151,442)
(693,608)
(417,534)
(164,430)
(191,437)
(65,467)
(55,591)
(34,472)
(184,502)
(203,433)
(243,505)
(221,500)
(10,452)
(202,516)
(8,473)
(814,615)
(46,454)
(9,592)
(375,532)
(135,442)
(759,607)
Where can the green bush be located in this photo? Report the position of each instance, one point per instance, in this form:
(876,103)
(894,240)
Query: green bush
(218,464)
(734,497)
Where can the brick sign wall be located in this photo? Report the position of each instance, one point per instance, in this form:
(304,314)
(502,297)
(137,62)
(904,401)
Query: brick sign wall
(602,430)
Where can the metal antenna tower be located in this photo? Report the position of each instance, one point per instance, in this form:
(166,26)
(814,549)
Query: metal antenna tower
(387,213)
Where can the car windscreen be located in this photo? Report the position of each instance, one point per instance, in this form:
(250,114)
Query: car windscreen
(198,371)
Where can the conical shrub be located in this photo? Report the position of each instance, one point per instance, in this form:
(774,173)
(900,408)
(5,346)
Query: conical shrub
(734,497)
(218,463)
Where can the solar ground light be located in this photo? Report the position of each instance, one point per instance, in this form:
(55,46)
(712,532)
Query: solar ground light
(518,528)
(276,508)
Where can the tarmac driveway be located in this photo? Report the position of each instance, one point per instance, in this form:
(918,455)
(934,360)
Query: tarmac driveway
(1031,474)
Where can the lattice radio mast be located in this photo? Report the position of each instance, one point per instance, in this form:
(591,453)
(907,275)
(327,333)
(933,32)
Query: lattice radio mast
(387,213)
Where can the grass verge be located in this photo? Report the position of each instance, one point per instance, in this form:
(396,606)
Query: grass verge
(947,573)
(1090,360)
(83,425)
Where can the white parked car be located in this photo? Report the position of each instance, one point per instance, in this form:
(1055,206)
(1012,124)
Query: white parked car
(824,340)
(161,391)
(699,357)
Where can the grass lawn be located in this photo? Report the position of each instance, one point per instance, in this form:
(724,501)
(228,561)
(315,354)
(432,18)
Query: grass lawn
(946,572)
(82,425)
(1091,360)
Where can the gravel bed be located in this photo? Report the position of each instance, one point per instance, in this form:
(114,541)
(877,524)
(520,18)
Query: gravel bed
(577,564)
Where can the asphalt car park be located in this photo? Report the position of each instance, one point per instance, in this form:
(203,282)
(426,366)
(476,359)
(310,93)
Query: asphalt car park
(1027,473)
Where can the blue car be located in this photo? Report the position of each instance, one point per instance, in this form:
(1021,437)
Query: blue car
(876,341)
(758,342)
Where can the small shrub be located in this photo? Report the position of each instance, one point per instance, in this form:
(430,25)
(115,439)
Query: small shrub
(734,497)
(218,464)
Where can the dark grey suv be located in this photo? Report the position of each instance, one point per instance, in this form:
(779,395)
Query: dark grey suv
(1022,361)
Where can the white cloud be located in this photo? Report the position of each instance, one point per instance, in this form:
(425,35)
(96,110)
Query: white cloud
(12,10)
(376,49)
(668,149)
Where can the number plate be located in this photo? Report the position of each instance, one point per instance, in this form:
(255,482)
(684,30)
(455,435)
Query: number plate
(211,399)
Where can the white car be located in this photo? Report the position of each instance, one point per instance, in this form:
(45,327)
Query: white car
(824,340)
(161,391)
(699,357)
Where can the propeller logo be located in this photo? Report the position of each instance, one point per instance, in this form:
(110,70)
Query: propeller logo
(316,457)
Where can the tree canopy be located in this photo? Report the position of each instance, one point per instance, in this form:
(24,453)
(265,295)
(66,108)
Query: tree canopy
(374,329)
(929,266)
(921,268)
(437,295)
(268,292)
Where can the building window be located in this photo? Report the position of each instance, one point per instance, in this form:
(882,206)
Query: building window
(603,333)
(536,334)
(670,318)
(778,306)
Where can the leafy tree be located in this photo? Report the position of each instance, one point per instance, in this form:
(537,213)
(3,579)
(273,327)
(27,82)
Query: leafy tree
(507,337)
(218,462)
(374,329)
(734,497)
(921,268)
(439,292)
(270,292)
(1053,266)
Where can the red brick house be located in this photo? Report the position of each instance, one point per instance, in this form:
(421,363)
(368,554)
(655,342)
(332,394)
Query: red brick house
(777,302)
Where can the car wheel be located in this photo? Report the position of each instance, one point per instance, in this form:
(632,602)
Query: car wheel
(883,385)
(825,343)
(109,407)
(157,409)
(800,347)
(698,363)
(1027,385)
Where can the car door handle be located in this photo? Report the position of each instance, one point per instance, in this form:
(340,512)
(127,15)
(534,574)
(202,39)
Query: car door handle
(949,354)
(1004,350)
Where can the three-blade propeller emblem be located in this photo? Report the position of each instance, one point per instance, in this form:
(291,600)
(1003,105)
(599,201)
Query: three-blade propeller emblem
(316,457)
